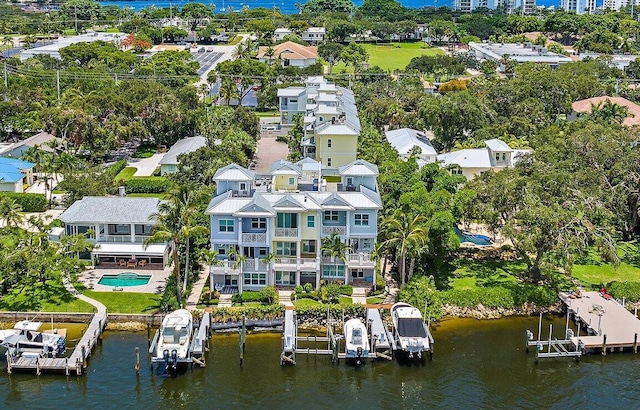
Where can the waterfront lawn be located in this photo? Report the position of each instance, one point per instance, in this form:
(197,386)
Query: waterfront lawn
(126,302)
(375,300)
(472,274)
(300,303)
(50,297)
(391,57)
(592,271)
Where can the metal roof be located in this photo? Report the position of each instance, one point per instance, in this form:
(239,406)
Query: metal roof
(405,139)
(497,145)
(234,172)
(359,167)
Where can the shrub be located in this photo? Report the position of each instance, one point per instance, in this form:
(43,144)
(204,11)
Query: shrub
(488,297)
(266,295)
(628,290)
(346,290)
(308,287)
(147,185)
(113,170)
(28,202)
(235,314)
(298,289)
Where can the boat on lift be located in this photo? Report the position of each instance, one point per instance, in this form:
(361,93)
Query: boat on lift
(411,333)
(356,341)
(174,340)
(25,339)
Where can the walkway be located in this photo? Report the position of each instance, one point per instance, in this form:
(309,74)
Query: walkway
(145,167)
(225,300)
(284,296)
(196,290)
(391,288)
(359,296)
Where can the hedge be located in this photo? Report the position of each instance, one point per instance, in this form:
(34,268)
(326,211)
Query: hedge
(147,185)
(235,314)
(488,297)
(628,290)
(28,202)
(115,169)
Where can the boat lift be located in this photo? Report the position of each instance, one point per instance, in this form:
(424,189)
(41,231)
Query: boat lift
(555,348)
(198,346)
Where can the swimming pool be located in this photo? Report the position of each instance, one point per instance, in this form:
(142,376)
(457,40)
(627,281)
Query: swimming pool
(124,279)
(481,240)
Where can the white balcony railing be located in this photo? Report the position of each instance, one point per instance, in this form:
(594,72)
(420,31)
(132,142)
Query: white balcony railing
(121,238)
(226,267)
(299,263)
(360,259)
(254,265)
(287,232)
(254,237)
(329,230)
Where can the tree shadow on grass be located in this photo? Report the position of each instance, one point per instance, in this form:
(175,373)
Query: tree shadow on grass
(630,253)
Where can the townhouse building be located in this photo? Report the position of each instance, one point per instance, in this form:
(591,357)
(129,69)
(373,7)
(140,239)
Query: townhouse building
(283,228)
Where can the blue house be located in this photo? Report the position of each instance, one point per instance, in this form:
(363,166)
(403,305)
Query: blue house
(14,174)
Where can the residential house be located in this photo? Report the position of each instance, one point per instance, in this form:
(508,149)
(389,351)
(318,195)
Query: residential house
(586,106)
(289,54)
(15,174)
(169,162)
(471,162)
(408,141)
(53,48)
(118,226)
(331,123)
(42,140)
(272,234)
(310,35)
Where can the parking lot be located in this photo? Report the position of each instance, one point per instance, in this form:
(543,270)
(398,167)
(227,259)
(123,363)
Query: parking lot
(206,59)
(249,100)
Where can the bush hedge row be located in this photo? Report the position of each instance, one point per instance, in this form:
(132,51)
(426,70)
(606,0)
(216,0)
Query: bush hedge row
(28,202)
(628,290)
(115,169)
(504,297)
(147,185)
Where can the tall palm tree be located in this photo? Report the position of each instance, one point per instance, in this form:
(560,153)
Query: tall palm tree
(404,233)
(175,217)
(333,247)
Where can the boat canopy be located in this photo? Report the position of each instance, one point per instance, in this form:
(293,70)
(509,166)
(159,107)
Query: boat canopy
(411,327)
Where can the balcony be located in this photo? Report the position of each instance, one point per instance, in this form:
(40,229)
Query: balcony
(254,238)
(286,232)
(284,107)
(225,269)
(329,230)
(254,265)
(121,239)
(362,259)
(304,264)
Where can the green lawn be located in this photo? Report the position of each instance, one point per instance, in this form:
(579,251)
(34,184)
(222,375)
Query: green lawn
(126,302)
(375,300)
(126,173)
(51,297)
(345,300)
(591,270)
(471,274)
(390,57)
(306,302)
(235,40)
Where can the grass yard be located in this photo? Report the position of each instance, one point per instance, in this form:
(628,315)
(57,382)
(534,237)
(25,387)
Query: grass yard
(145,151)
(592,270)
(306,302)
(390,57)
(51,297)
(375,300)
(126,302)
(126,173)
(471,274)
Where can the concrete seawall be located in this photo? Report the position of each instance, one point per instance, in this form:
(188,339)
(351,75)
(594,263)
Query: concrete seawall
(154,320)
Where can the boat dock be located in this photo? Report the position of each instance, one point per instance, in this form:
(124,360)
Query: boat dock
(381,339)
(199,344)
(76,363)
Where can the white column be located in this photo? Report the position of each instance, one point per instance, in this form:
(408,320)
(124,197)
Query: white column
(133,232)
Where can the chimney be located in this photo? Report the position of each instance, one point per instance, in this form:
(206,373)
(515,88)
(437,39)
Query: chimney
(121,191)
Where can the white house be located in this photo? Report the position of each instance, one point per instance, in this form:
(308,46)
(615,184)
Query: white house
(311,35)
(169,162)
(42,140)
(290,54)
(118,226)
(406,140)
(471,162)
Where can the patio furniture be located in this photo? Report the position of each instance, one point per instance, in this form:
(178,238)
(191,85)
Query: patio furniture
(123,262)
(142,263)
(131,263)
(218,287)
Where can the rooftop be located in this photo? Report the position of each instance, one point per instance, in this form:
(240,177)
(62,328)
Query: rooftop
(519,52)
(53,48)
(289,50)
(405,139)
(112,209)
(585,106)
(182,146)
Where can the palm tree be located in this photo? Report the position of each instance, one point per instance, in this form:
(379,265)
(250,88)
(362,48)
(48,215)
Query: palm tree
(610,112)
(333,247)
(404,233)
(10,212)
(239,259)
(228,90)
(174,224)
(269,53)
(210,259)
(79,243)
(298,7)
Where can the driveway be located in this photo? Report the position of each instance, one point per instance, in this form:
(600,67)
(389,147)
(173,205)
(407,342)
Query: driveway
(269,151)
(145,166)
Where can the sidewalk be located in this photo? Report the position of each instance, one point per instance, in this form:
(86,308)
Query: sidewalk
(284,296)
(196,290)
(225,301)
(359,296)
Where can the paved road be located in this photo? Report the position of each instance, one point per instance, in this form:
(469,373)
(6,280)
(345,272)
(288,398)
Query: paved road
(207,60)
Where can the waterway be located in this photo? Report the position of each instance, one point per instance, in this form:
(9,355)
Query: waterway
(287,7)
(477,364)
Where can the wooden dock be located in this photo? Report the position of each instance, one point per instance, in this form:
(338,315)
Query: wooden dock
(608,324)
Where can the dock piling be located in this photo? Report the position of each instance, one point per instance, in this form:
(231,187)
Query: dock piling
(137,365)
(604,345)
(635,343)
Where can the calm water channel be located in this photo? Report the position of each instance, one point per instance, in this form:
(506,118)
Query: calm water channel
(477,364)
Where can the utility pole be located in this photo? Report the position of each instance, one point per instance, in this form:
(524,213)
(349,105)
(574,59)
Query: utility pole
(58,83)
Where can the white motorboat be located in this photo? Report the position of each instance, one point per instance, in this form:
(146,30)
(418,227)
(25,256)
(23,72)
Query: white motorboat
(410,332)
(25,339)
(175,339)
(357,340)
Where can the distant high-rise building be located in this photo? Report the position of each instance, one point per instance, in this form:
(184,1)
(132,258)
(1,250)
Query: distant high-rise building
(511,6)
(580,6)
(619,4)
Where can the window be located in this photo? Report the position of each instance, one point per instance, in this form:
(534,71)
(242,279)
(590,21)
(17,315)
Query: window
(456,171)
(333,271)
(258,223)
(226,225)
(309,246)
(286,249)
(362,220)
(331,216)
(243,186)
(285,278)
(504,156)
(498,157)
(311,221)
(255,278)
(329,143)
(143,229)
(287,221)
(328,162)
(357,274)
(292,181)
(349,181)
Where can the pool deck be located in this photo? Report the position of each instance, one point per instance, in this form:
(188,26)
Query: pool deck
(90,278)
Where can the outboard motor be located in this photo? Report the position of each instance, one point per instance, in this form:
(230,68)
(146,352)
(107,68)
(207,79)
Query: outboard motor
(174,359)
(62,346)
(165,356)
(359,353)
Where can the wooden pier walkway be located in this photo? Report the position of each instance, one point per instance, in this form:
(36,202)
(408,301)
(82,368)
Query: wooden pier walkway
(608,324)
(77,362)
